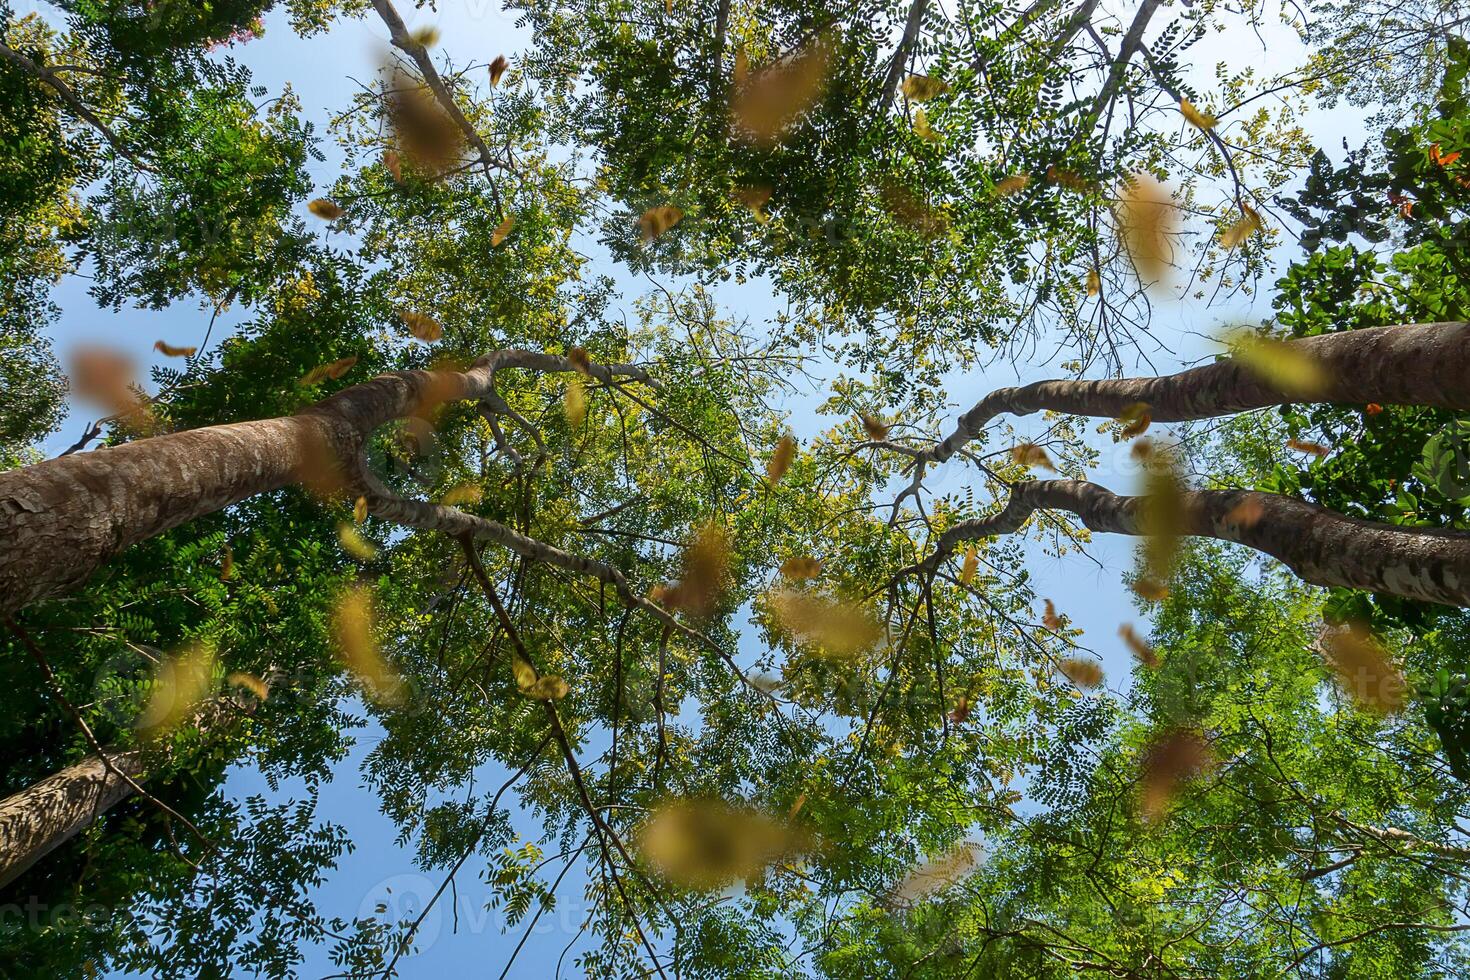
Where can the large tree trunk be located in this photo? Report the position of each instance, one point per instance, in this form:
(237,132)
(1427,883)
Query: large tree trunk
(39,819)
(1320,546)
(1412,364)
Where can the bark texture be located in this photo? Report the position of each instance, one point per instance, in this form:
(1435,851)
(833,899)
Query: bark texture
(1319,545)
(1414,364)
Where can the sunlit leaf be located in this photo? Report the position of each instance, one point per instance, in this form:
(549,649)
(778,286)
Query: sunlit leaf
(1199,120)
(781,458)
(354,543)
(574,403)
(179,684)
(1082,672)
(657,220)
(169,350)
(971,565)
(501,230)
(325,209)
(423,327)
(352,627)
(922,88)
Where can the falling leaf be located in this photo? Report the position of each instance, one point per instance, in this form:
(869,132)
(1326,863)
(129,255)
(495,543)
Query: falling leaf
(876,429)
(1166,764)
(840,630)
(1373,408)
(922,88)
(548,688)
(352,626)
(657,220)
(767,103)
(1150,589)
(1202,121)
(394,164)
(1162,517)
(104,377)
(497,69)
(463,493)
(423,131)
(325,209)
(796,806)
(355,544)
(913,212)
(360,510)
(1094,284)
(1441,158)
(169,350)
(1050,619)
(525,675)
(1311,448)
(1082,672)
(766,682)
(501,230)
(1138,646)
(755,199)
(426,36)
(1071,180)
(704,573)
(1363,669)
(581,360)
(1249,223)
(780,460)
(423,327)
(574,403)
(971,565)
(961,712)
(179,684)
(1280,363)
(1030,454)
(1146,220)
(922,127)
(708,844)
(227,566)
(1013,184)
(801,569)
(741,67)
(250,683)
(335,371)
(933,877)
(1136,419)
(1246,513)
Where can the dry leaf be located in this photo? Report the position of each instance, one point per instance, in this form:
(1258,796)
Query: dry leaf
(704,573)
(394,164)
(1138,646)
(105,378)
(1146,220)
(922,88)
(501,230)
(1136,419)
(913,212)
(497,69)
(922,127)
(755,199)
(741,67)
(179,684)
(426,36)
(1150,590)
(1312,448)
(961,712)
(839,630)
(1094,284)
(1373,408)
(801,569)
(1082,672)
(355,544)
(250,683)
(1030,454)
(1166,764)
(1199,120)
(574,403)
(1162,518)
(780,460)
(581,361)
(876,429)
(422,130)
(655,221)
(1050,619)
(227,567)
(360,510)
(325,209)
(708,844)
(1246,513)
(1280,363)
(169,350)
(352,626)
(463,493)
(1250,222)
(423,327)
(1363,668)
(334,370)
(971,565)
(935,876)
(1069,179)
(1014,184)
(766,104)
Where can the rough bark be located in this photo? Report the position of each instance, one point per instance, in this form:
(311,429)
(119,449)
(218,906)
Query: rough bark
(1414,364)
(62,518)
(1319,545)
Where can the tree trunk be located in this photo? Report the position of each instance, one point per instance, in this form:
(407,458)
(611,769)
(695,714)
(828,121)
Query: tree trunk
(1320,546)
(1413,364)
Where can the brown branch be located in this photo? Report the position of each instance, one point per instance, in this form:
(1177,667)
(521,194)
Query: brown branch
(72,101)
(1132,41)
(906,44)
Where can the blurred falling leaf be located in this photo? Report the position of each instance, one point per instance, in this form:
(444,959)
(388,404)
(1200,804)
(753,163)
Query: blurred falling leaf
(1280,364)
(708,844)
(1094,284)
(961,711)
(970,566)
(423,327)
(1250,222)
(839,629)
(423,131)
(105,378)
(355,544)
(1050,619)
(1150,590)
(335,371)
(1013,184)
(463,493)
(801,569)
(933,877)
(325,209)
(1138,646)
(169,350)
(704,573)
(352,626)
(227,567)
(657,220)
(524,674)
(1030,454)
(1166,764)
(574,402)
(1199,120)
(922,88)
(394,164)
(1146,220)
(922,127)
(179,684)
(767,103)
(1069,179)
(1246,513)
(501,230)
(1311,448)
(1373,408)
(741,67)
(426,36)
(913,212)
(755,199)
(875,427)
(781,458)
(1136,419)
(1082,672)
(1363,668)
(250,683)
(497,69)
(1162,517)
(581,360)
(540,688)
(360,510)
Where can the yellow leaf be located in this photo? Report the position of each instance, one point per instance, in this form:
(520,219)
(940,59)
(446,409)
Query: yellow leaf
(1147,220)
(423,327)
(179,684)
(1094,284)
(1014,184)
(1247,513)
(657,220)
(1029,454)
(1150,590)
(1136,419)
(1199,120)
(250,683)
(768,103)
(548,688)
(1364,670)
(875,427)
(523,672)
(227,567)
(360,510)
(463,493)
(426,36)
(169,350)
(801,569)
(922,88)
(334,370)
(325,209)
(497,69)
(922,127)
(935,876)
(574,402)
(1166,764)
(501,230)
(581,360)
(970,566)
(1280,364)
(352,624)
(755,199)
(355,544)
(780,460)
(1312,448)
(742,65)
(1250,222)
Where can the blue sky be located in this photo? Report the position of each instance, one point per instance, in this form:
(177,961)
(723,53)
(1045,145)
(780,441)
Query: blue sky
(321,70)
